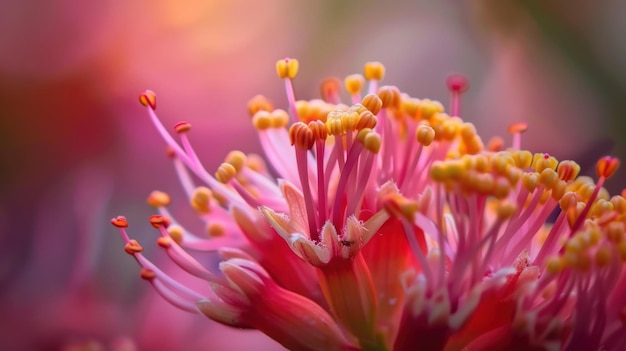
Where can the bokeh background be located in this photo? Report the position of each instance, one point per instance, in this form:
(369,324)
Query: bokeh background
(78,149)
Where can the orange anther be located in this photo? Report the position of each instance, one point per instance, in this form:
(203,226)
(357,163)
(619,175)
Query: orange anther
(158,220)
(119,221)
(148,99)
(182,127)
(519,127)
(607,166)
(147,274)
(158,199)
(132,247)
(164,242)
(259,103)
(330,87)
(374,71)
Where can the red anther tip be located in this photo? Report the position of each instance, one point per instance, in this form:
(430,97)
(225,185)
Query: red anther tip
(546,156)
(158,220)
(457,83)
(182,127)
(148,99)
(119,221)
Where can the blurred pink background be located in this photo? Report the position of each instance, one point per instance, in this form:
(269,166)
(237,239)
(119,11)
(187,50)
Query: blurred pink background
(77,148)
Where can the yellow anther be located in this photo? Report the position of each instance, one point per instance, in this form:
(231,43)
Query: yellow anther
(554,265)
(360,136)
(333,123)
(279,118)
(519,127)
(450,128)
(390,96)
(600,207)
(176,233)
(132,247)
(468,131)
(303,110)
(225,172)
(483,183)
(349,121)
(558,189)
(354,83)
(568,170)
(542,161)
(215,230)
(513,174)
(523,158)
(410,106)
(301,136)
(530,181)
(158,199)
(237,159)
(574,244)
(372,102)
(358,108)
(548,177)
(259,103)
(619,203)
(545,195)
(425,134)
(615,232)
(505,210)
(501,188)
(372,142)
(366,120)
(262,120)
(568,200)
(438,171)
(495,144)
(501,161)
(607,166)
(201,199)
(399,206)
(374,71)
(455,169)
(148,99)
(182,127)
(428,108)
(287,68)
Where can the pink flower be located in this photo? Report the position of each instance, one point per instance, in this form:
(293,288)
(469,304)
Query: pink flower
(391,226)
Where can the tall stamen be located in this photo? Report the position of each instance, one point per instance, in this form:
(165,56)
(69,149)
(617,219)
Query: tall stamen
(287,69)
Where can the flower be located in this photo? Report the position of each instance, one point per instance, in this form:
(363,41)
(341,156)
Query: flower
(391,226)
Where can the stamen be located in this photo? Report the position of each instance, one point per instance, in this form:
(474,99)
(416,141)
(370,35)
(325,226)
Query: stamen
(373,72)
(158,199)
(354,84)
(259,103)
(330,90)
(287,69)
(302,137)
(457,85)
(516,129)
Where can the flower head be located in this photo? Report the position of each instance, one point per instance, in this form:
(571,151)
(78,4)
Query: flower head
(387,223)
